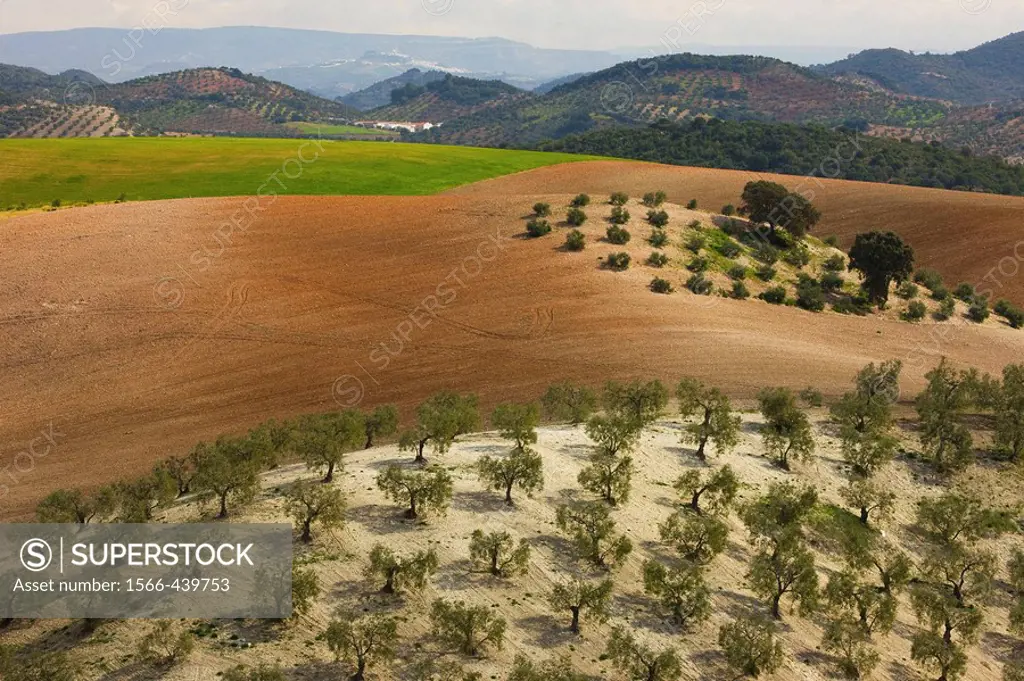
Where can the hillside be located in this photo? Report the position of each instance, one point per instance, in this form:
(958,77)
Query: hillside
(200,101)
(125,349)
(681,86)
(447,98)
(799,150)
(990,72)
(379,94)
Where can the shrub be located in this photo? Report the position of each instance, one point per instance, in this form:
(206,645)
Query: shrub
(576,217)
(699,264)
(619,216)
(618,261)
(835,263)
(55,203)
(695,224)
(737,272)
(915,312)
(739,291)
(978,311)
(946,309)
(809,295)
(657,259)
(1013,314)
(766,272)
(542,210)
(659,238)
(928,278)
(467,628)
(730,249)
(728,210)
(964,292)
(766,253)
(857,305)
(654,199)
(775,295)
(617,235)
(692,204)
(537,228)
(121,198)
(940,292)
(812,397)
(695,243)
(907,290)
(798,257)
(658,218)
(575,240)
(581,201)
(699,284)
(619,199)
(831,282)
(831,240)
(659,285)
(1001,306)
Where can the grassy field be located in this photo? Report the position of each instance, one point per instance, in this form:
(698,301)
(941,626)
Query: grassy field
(39,171)
(338,130)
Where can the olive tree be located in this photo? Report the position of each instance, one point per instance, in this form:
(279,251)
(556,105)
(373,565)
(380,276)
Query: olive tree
(868,496)
(609,476)
(181,469)
(636,402)
(786,568)
(522,468)
(787,430)
(955,518)
(1009,413)
(517,422)
(400,573)
(718,490)
(569,403)
(869,406)
(848,595)
(163,646)
(613,435)
(714,422)
(439,420)
(771,203)
(362,640)
(1016,567)
(381,422)
(71,506)
(228,471)
(592,530)
(310,503)
(640,662)
(136,500)
(469,629)
(498,553)
(424,491)
(524,669)
(845,638)
(322,440)
(578,596)
(697,539)
(950,628)
(750,646)
(947,442)
(680,589)
(305,590)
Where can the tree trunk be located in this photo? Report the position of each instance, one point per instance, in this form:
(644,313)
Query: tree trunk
(508,494)
(575,626)
(389,585)
(360,669)
(494,563)
(411,512)
(695,502)
(419,452)
(864,515)
(776,612)
(330,473)
(223,505)
(307,536)
(369,440)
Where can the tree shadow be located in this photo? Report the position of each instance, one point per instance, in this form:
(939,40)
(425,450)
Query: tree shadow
(741,605)
(489,450)
(828,664)
(382,519)
(713,665)
(316,669)
(482,501)
(737,552)
(750,428)
(579,452)
(136,671)
(901,672)
(405,462)
(1000,646)
(548,631)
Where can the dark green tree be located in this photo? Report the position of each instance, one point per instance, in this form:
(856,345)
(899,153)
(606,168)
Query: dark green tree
(882,258)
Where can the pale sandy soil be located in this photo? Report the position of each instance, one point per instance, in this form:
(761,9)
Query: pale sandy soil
(533,629)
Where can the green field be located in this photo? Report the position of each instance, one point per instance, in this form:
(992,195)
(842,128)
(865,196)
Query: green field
(36,172)
(339,130)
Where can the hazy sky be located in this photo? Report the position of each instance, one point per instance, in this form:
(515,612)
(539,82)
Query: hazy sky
(908,24)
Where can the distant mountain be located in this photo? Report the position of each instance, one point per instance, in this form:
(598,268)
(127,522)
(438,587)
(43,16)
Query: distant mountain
(203,101)
(379,94)
(550,85)
(327,63)
(20,80)
(681,86)
(989,73)
(448,98)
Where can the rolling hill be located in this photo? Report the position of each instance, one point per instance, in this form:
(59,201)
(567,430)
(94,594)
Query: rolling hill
(447,98)
(990,72)
(379,94)
(200,101)
(681,86)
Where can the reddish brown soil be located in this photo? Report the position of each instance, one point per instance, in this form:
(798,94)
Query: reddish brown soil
(309,293)
(978,238)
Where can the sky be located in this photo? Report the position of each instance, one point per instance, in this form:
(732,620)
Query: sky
(938,25)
